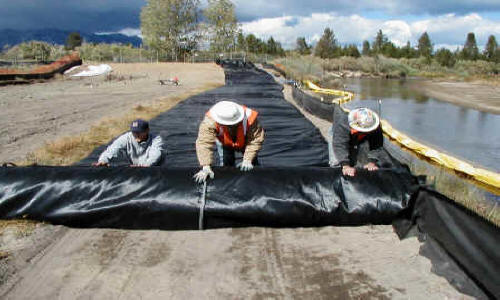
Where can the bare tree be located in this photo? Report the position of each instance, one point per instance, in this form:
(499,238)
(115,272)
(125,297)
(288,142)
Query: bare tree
(491,50)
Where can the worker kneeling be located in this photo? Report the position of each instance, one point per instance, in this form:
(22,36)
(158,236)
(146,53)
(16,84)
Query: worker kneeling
(360,130)
(141,148)
(232,128)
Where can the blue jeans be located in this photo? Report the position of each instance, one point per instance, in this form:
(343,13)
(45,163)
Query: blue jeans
(226,156)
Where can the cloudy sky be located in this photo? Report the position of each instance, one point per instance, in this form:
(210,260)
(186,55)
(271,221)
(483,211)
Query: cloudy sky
(446,21)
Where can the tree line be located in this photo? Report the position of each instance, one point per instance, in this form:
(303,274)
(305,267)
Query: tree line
(171,30)
(181,26)
(329,47)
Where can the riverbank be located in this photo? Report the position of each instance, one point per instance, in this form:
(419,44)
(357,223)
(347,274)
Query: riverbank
(468,83)
(479,96)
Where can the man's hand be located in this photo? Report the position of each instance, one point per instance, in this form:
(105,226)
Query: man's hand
(100,164)
(371,167)
(202,175)
(348,171)
(246,166)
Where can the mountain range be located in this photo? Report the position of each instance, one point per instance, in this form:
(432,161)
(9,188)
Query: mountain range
(11,37)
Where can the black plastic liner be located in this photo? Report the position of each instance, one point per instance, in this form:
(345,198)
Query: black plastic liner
(285,191)
(291,140)
(159,198)
(467,238)
(313,105)
(462,246)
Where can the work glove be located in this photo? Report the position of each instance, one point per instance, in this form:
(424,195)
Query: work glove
(246,166)
(202,175)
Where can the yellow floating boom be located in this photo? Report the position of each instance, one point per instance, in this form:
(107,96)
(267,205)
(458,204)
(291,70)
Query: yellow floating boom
(343,95)
(483,176)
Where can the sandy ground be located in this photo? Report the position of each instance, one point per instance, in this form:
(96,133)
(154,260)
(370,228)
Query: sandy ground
(31,115)
(474,95)
(313,263)
(56,262)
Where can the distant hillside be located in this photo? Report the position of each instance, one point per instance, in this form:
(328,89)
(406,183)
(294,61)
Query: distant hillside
(54,36)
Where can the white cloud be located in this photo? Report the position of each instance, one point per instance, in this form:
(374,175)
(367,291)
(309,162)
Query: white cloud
(126,31)
(448,30)
(256,9)
(398,31)
(131,32)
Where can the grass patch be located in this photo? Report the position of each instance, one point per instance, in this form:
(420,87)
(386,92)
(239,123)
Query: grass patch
(458,187)
(69,150)
(461,190)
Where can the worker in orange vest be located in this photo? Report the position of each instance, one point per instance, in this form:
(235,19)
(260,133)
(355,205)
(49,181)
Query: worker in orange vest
(231,127)
(360,128)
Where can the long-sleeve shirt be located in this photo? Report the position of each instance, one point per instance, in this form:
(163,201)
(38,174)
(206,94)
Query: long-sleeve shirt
(346,144)
(207,135)
(147,153)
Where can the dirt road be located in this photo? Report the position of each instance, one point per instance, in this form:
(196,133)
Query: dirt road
(31,115)
(56,262)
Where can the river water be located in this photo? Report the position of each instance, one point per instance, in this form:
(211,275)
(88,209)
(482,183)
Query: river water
(465,133)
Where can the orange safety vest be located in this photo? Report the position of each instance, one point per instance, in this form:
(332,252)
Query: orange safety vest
(223,135)
(361,136)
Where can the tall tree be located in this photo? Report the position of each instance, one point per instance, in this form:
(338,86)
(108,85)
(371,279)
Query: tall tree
(379,42)
(241,43)
(327,46)
(74,40)
(261,46)
(491,51)
(302,47)
(252,43)
(366,48)
(470,51)
(272,46)
(170,25)
(279,49)
(223,24)
(424,47)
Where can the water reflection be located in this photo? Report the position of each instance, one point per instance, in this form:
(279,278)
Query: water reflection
(463,132)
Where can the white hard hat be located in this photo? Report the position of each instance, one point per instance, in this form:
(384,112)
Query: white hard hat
(363,120)
(227,113)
